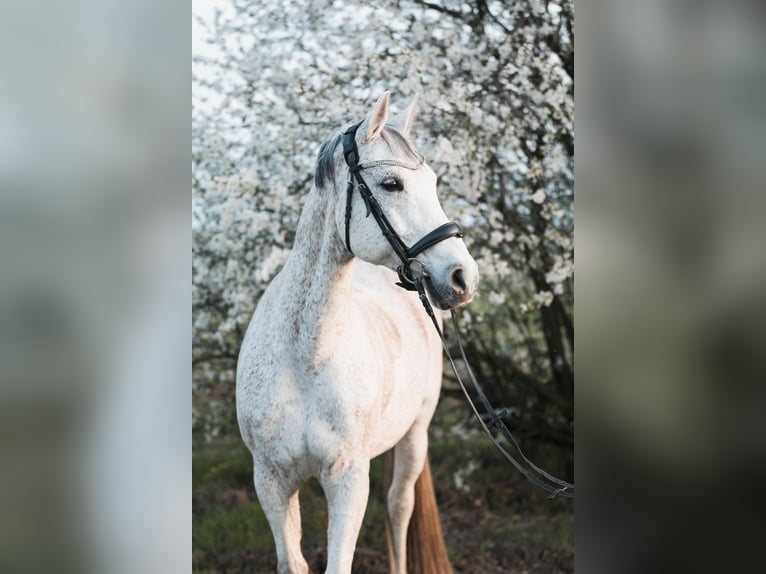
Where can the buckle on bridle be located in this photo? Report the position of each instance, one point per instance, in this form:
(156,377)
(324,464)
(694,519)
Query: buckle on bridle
(411,272)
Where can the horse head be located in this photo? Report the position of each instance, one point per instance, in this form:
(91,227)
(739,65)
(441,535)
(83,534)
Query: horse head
(399,188)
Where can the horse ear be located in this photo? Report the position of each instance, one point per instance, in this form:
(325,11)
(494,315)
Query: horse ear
(377,119)
(403,120)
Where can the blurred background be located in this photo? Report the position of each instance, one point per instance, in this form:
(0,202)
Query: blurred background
(95,453)
(272,81)
(670,181)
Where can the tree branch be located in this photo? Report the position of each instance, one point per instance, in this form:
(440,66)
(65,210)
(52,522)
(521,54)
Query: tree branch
(443,9)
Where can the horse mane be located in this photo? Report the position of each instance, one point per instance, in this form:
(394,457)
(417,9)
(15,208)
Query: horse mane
(325,170)
(399,145)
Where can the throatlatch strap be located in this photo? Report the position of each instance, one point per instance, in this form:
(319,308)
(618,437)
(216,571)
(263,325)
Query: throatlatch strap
(351,155)
(349,197)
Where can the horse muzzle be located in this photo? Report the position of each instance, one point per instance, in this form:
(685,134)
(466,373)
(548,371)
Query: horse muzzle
(455,288)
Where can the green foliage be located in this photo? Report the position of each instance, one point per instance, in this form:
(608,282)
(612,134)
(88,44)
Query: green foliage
(234,532)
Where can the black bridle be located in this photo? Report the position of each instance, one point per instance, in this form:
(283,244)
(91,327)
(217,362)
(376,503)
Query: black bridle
(407,255)
(413,280)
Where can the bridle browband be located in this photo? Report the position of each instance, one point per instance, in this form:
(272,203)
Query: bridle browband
(415,282)
(407,255)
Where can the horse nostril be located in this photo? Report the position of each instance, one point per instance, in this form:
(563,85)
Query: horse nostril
(457,280)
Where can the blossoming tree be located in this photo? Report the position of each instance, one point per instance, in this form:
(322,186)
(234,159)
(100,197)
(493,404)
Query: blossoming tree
(496,83)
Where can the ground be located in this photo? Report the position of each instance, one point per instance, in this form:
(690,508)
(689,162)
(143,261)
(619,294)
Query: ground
(493,520)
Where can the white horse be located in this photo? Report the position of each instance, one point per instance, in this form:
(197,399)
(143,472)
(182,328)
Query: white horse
(340,365)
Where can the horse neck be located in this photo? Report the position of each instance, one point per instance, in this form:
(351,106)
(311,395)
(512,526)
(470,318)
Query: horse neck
(318,275)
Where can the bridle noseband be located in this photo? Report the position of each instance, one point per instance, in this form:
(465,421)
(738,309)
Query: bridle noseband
(407,255)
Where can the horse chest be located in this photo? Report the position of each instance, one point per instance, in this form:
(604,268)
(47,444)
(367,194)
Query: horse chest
(351,385)
(366,393)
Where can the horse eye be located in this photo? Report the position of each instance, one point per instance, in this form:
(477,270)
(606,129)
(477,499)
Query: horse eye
(392,184)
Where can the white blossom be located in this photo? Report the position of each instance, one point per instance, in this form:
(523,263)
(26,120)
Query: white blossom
(543,298)
(538,197)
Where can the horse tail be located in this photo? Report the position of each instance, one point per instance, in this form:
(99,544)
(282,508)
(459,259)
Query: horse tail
(426,550)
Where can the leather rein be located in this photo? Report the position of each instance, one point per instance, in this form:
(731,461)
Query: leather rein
(412,278)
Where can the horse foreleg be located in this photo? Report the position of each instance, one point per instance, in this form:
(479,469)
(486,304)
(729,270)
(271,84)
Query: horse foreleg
(409,458)
(281,506)
(347,490)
